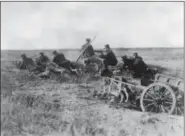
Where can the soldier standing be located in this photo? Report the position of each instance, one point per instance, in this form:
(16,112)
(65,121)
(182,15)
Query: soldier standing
(87,49)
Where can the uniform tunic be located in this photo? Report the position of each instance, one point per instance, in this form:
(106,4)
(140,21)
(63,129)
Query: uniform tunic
(137,60)
(139,66)
(110,58)
(59,59)
(89,51)
(29,63)
(42,60)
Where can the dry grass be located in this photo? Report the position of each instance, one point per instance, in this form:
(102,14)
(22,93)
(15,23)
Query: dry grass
(31,106)
(25,112)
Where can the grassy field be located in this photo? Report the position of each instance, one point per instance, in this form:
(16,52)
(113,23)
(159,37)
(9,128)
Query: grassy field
(31,106)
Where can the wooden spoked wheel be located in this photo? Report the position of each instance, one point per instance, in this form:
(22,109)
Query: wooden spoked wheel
(158,98)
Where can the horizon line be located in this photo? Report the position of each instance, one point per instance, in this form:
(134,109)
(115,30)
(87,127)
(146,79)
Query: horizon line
(101,48)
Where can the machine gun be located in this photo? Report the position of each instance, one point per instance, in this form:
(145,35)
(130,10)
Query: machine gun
(99,51)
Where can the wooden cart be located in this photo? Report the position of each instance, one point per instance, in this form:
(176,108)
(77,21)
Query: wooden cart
(164,95)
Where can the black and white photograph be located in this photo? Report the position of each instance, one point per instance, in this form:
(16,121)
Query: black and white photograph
(89,68)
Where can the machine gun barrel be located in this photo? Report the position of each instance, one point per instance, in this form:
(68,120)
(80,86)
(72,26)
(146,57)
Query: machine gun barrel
(99,51)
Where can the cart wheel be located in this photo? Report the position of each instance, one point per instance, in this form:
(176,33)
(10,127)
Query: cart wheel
(179,109)
(158,98)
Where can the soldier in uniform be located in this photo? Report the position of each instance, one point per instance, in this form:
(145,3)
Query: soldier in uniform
(43,59)
(137,58)
(90,56)
(41,62)
(27,62)
(109,57)
(89,51)
(61,61)
(139,65)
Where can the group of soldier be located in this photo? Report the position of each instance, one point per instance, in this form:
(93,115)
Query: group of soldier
(105,59)
(108,58)
(43,64)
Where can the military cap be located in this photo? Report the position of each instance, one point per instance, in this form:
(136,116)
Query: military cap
(54,52)
(88,39)
(107,46)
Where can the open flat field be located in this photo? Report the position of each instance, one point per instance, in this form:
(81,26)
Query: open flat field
(170,58)
(32,106)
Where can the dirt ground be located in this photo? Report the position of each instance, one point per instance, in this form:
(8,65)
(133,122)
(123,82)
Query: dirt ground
(32,106)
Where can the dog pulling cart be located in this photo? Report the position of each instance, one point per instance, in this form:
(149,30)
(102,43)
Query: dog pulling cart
(164,94)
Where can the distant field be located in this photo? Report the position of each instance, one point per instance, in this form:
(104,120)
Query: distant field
(147,54)
(170,58)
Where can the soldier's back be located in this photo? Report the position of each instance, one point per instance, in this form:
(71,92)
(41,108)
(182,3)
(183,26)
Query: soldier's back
(29,63)
(42,59)
(89,51)
(59,58)
(45,58)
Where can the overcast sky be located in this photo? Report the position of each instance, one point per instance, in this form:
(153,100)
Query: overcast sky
(49,25)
